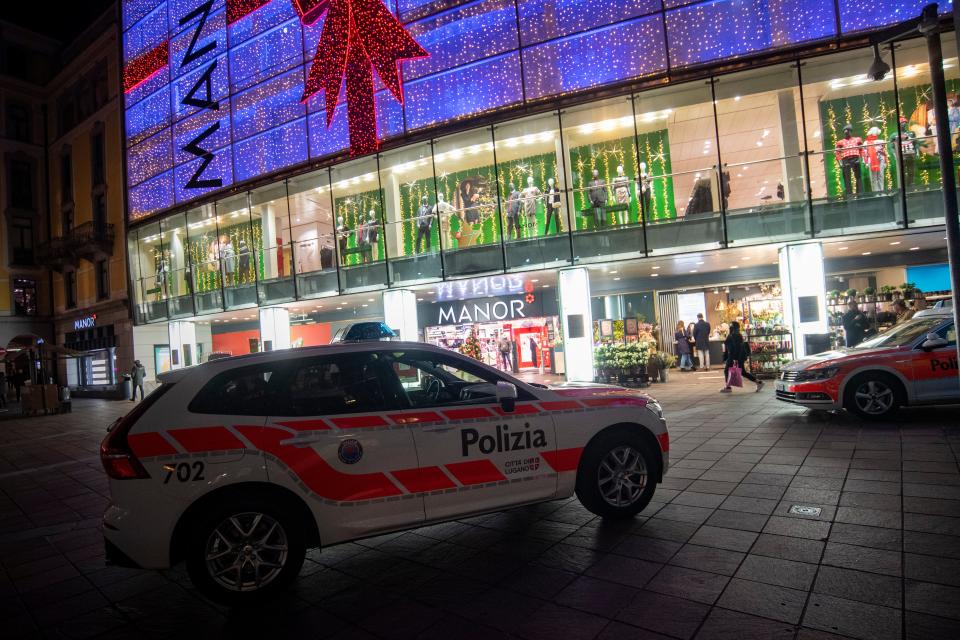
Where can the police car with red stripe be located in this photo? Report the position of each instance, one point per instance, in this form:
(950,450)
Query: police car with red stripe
(237,466)
(913,363)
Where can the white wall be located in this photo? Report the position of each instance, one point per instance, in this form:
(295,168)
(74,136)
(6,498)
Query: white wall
(144,339)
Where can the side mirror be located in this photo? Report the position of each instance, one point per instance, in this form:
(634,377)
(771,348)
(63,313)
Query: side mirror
(507,396)
(932,342)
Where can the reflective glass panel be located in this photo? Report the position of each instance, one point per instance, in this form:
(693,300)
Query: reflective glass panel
(204,255)
(176,264)
(314,244)
(239,242)
(274,259)
(358,207)
(150,276)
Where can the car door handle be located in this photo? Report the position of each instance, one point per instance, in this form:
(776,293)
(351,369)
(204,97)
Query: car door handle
(301,441)
(437,427)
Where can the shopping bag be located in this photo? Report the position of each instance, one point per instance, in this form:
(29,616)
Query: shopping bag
(735,376)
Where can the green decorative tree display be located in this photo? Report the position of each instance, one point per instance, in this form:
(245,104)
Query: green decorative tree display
(605,157)
(355,210)
(208,274)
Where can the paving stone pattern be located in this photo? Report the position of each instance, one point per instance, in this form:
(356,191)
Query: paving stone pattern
(718,554)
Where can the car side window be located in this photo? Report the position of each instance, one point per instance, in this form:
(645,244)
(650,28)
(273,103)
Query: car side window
(244,391)
(349,383)
(435,380)
(949,333)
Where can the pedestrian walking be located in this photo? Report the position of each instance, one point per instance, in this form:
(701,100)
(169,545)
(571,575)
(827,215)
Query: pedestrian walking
(137,374)
(736,352)
(682,343)
(701,339)
(855,324)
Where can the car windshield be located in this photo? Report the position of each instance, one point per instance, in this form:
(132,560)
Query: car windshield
(903,334)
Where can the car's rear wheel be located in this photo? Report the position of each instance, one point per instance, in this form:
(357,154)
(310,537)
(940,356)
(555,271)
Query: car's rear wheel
(874,396)
(245,550)
(617,474)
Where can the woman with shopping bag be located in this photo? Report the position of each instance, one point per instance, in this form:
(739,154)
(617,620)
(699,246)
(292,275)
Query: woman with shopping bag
(736,351)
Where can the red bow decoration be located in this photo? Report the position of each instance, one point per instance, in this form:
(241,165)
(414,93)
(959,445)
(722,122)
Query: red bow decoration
(358,37)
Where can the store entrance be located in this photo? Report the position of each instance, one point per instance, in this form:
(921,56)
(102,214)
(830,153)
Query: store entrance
(519,346)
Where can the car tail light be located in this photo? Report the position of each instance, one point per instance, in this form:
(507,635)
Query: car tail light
(664,440)
(117,457)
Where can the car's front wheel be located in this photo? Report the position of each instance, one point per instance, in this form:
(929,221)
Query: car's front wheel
(245,550)
(617,474)
(873,396)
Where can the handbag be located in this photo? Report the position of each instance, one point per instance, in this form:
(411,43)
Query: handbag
(735,375)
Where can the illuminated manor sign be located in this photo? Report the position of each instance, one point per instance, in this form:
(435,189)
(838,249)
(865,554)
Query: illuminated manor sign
(87,322)
(219,92)
(481,311)
(480,287)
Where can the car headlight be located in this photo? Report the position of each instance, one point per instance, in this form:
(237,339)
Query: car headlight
(654,406)
(816,374)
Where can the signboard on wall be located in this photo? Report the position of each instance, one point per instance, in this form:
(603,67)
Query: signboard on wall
(489,309)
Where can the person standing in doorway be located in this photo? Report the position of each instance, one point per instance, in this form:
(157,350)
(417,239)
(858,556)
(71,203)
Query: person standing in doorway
(505,347)
(855,324)
(701,339)
(682,344)
(736,350)
(137,374)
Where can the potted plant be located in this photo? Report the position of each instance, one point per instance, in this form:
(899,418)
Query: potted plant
(886,292)
(666,361)
(869,294)
(850,295)
(908,289)
(833,296)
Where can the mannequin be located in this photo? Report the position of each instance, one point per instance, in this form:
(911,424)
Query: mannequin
(513,213)
(875,154)
(530,195)
(228,259)
(621,191)
(908,150)
(343,234)
(424,221)
(643,187)
(369,237)
(553,206)
(244,254)
(442,210)
(597,192)
(849,153)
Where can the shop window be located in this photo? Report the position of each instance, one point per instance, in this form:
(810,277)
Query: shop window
(24,297)
(358,207)
(202,257)
(762,147)
(97,156)
(467,202)
(245,391)
(410,201)
(238,239)
(176,266)
(103,279)
(21,240)
(21,184)
(18,122)
(70,289)
(359,383)
(311,224)
(269,212)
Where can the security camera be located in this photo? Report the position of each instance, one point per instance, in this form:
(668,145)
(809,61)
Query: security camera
(878,68)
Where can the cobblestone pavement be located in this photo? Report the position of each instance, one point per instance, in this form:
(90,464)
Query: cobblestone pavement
(717,555)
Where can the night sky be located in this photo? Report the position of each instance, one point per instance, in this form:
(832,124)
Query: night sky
(61,19)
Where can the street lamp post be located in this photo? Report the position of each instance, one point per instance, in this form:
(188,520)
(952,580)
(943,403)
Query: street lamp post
(929,27)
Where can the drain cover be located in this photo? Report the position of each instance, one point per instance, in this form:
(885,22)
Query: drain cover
(804,510)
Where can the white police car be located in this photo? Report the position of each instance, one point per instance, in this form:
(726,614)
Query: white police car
(237,466)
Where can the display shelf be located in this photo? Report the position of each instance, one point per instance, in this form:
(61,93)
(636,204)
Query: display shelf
(771,344)
(879,311)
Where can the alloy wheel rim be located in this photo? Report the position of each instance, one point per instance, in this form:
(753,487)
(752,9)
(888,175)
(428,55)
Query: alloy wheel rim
(622,476)
(874,397)
(246,552)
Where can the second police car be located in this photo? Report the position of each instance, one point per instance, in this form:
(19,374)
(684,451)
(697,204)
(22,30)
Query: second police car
(238,466)
(913,363)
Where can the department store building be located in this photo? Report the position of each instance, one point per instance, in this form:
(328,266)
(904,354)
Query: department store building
(553,165)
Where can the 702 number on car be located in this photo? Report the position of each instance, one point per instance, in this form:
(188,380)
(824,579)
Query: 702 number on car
(184,472)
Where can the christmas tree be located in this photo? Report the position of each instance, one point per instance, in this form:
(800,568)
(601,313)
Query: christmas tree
(471,346)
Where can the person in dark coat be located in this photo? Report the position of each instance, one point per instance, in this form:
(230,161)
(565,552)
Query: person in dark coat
(855,324)
(736,350)
(701,339)
(682,344)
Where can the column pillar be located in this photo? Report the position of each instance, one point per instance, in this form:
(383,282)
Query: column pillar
(400,313)
(804,297)
(274,328)
(577,322)
(182,335)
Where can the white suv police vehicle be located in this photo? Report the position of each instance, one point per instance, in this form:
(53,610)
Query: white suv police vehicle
(237,466)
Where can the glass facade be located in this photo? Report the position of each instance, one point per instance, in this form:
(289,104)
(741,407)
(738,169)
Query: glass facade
(809,149)
(214,90)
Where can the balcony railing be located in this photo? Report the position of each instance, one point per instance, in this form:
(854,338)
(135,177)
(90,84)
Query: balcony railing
(88,241)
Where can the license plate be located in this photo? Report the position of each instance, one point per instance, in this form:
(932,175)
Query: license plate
(780,386)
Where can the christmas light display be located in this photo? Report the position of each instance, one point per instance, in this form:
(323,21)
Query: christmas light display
(261,57)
